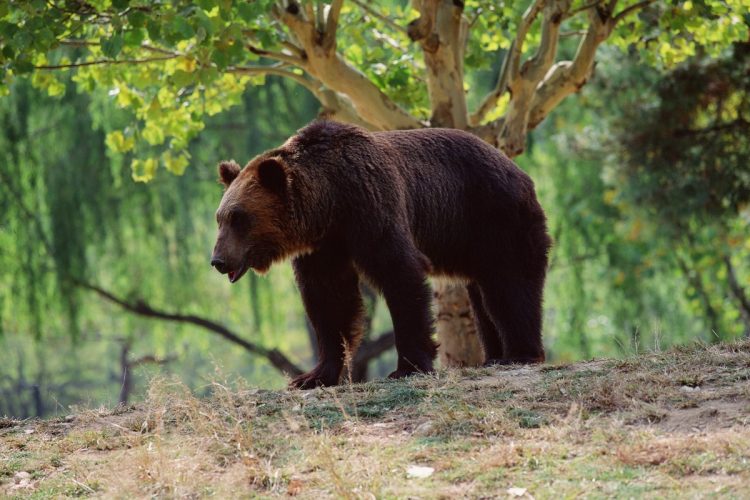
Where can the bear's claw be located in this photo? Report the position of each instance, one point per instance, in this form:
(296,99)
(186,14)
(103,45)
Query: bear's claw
(313,379)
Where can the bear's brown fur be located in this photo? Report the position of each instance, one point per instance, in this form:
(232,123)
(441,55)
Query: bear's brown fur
(392,207)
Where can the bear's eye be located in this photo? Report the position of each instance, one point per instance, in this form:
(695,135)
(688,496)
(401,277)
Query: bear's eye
(239,220)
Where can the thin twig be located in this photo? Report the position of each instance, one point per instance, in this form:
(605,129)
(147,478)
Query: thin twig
(105,61)
(86,43)
(387,20)
(279,56)
(580,9)
(312,85)
(629,10)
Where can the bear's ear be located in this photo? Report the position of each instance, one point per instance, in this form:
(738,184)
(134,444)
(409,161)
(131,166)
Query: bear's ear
(228,171)
(272,175)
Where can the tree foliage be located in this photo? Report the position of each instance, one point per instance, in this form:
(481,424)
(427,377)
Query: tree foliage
(690,156)
(494,68)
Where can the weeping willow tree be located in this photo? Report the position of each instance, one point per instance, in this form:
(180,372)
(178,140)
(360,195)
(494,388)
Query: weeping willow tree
(75,229)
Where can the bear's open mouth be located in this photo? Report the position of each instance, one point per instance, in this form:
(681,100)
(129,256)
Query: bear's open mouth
(239,272)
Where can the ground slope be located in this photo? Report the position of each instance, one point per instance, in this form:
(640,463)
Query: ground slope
(673,424)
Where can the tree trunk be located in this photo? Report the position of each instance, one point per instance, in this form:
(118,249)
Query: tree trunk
(126,378)
(456,332)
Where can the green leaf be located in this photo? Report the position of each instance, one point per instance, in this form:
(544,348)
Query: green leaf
(176,164)
(7,30)
(137,19)
(153,134)
(112,46)
(134,37)
(181,29)
(22,66)
(250,11)
(116,141)
(143,170)
(154,29)
(182,78)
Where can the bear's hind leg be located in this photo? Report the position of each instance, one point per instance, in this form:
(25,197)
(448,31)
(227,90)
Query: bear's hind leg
(329,285)
(516,308)
(489,335)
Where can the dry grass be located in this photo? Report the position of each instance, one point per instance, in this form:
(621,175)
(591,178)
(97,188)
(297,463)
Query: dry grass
(673,424)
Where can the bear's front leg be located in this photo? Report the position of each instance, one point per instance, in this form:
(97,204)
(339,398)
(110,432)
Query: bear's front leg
(330,292)
(398,269)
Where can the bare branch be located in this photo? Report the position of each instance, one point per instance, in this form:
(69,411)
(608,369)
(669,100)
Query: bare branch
(151,359)
(332,24)
(335,106)
(274,356)
(523,29)
(501,86)
(511,63)
(582,8)
(309,10)
(293,48)
(567,77)
(524,79)
(279,56)
(333,71)
(371,349)
(312,85)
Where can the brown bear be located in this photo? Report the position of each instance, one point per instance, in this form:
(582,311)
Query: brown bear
(393,208)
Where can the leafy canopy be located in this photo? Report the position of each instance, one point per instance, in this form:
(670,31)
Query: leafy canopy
(171,64)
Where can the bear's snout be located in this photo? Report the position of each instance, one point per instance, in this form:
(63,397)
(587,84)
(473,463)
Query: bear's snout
(219,264)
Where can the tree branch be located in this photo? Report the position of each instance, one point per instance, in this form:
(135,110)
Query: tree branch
(633,8)
(278,56)
(335,106)
(326,65)
(309,84)
(141,308)
(332,24)
(371,349)
(277,359)
(523,79)
(106,61)
(582,8)
(523,29)
(86,43)
(441,31)
(385,19)
(567,77)
(490,100)
(151,359)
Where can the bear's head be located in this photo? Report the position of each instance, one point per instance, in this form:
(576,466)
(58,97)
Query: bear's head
(254,217)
